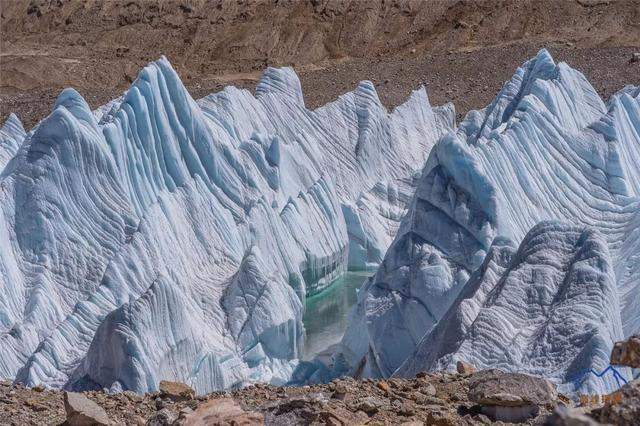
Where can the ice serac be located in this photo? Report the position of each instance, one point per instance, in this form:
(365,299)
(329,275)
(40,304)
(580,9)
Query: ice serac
(11,136)
(623,123)
(283,81)
(66,214)
(354,140)
(628,276)
(375,159)
(547,148)
(161,237)
(549,308)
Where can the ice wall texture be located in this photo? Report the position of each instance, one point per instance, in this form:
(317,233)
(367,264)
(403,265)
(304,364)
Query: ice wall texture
(163,238)
(11,136)
(547,148)
(550,309)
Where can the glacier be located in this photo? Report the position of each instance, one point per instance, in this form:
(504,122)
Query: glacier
(548,308)
(163,238)
(520,246)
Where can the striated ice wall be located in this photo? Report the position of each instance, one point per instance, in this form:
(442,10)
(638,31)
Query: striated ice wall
(547,148)
(163,238)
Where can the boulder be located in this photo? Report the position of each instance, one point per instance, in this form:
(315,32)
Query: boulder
(428,389)
(566,416)
(495,387)
(176,391)
(626,410)
(627,352)
(340,390)
(465,368)
(81,411)
(372,405)
(510,397)
(222,411)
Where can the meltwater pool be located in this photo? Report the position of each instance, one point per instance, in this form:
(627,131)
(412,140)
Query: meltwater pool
(325,319)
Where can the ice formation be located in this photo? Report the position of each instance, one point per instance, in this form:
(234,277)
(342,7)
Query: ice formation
(547,148)
(549,308)
(11,136)
(163,238)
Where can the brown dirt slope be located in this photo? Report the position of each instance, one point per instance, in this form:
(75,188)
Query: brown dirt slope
(462,49)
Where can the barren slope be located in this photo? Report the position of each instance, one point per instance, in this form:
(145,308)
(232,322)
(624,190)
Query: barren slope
(98,46)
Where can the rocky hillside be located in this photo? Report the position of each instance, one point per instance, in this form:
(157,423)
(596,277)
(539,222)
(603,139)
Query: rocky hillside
(99,46)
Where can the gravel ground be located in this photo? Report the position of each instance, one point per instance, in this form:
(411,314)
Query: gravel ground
(435,398)
(445,399)
(468,79)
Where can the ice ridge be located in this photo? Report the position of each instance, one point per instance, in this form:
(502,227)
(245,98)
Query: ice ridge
(161,237)
(547,148)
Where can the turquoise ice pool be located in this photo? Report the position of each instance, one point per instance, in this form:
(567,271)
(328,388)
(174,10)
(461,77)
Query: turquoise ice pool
(325,319)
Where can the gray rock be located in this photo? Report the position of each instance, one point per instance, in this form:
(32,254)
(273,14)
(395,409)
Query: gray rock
(340,391)
(428,390)
(372,405)
(565,416)
(81,411)
(495,387)
(163,417)
(510,397)
(627,352)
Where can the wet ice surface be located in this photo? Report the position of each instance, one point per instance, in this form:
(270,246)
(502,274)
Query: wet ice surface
(325,318)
